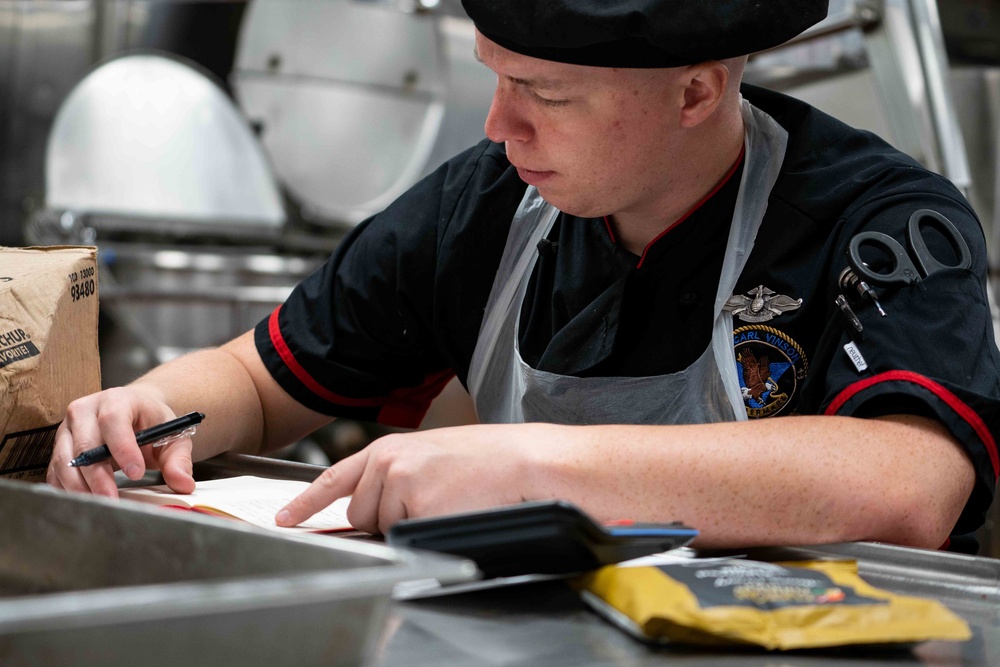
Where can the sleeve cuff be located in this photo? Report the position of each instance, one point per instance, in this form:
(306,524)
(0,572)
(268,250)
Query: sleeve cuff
(850,397)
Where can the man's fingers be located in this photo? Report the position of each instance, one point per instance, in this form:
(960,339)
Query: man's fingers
(363,512)
(391,509)
(100,479)
(59,474)
(175,464)
(335,482)
(72,437)
(117,433)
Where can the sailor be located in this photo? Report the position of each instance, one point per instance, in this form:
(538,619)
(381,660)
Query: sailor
(639,277)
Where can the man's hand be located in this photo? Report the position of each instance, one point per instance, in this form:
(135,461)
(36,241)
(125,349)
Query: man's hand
(112,417)
(246,411)
(426,473)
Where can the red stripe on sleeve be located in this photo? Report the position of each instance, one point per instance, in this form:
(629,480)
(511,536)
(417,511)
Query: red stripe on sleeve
(406,407)
(950,399)
(303,375)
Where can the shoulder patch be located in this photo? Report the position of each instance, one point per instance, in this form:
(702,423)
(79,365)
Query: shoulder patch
(770,366)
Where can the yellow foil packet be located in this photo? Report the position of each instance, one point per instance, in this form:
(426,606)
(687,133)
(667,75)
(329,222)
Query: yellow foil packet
(796,605)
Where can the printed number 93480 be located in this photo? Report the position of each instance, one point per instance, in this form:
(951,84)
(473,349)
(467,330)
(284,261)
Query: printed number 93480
(83,289)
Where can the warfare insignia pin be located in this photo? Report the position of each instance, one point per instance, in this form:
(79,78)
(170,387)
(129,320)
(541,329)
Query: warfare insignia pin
(760,304)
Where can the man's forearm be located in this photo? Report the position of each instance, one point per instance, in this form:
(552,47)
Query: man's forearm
(214,382)
(789,480)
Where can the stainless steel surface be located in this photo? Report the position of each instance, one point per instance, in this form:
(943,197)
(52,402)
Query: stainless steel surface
(469,92)
(116,23)
(935,65)
(895,59)
(547,624)
(354,113)
(956,578)
(991,132)
(971,30)
(231,465)
(843,16)
(89,581)
(45,48)
(978,89)
(281,37)
(178,299)
(347,134)
(149,136)
(899,43)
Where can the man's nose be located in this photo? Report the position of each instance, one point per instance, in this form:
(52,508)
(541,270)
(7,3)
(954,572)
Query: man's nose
(505,121)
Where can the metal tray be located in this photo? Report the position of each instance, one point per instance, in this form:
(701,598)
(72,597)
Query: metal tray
(91,581)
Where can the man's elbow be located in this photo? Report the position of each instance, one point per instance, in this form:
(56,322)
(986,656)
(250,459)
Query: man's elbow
(931,481)
(923,513)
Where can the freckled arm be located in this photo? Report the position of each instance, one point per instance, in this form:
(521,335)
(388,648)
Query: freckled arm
(789,480)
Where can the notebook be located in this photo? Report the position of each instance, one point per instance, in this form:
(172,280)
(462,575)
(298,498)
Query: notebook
(251,499)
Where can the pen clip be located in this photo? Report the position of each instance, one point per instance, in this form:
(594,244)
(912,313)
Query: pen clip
(167,439)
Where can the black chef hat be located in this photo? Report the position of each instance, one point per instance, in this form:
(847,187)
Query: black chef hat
(641,33)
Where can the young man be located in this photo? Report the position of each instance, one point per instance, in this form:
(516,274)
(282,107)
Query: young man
(671,271)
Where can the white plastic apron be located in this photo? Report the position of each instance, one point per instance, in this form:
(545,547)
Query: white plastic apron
(507,390)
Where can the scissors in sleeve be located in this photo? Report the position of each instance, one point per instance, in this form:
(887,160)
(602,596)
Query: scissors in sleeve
(909,268)
(905,268)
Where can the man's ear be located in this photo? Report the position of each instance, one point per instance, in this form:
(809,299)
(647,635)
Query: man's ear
(705,87)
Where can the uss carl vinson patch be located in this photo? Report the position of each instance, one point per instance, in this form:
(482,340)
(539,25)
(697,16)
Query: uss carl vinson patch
(769,364)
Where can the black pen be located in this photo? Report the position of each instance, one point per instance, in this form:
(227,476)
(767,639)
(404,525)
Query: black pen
(157,435)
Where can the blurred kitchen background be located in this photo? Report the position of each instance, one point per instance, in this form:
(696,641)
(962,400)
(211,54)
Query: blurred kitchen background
(217,150)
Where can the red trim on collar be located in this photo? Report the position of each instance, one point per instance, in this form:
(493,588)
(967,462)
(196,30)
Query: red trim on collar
(950,399)
(725,179)
(611,232)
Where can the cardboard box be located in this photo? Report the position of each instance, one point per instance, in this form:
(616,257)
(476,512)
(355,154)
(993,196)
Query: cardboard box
(48,349)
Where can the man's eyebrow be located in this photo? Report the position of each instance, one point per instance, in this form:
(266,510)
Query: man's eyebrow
(544,84)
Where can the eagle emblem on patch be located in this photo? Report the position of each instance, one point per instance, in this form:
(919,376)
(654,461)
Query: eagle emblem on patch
(760,304)
(770,367)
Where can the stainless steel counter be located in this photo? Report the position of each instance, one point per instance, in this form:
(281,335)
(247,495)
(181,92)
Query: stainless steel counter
(88,581)
(545,623)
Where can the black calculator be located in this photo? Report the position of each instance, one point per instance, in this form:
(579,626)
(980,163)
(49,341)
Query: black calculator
(538,537)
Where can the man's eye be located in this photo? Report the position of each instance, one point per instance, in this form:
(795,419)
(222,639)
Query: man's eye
(551,103)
